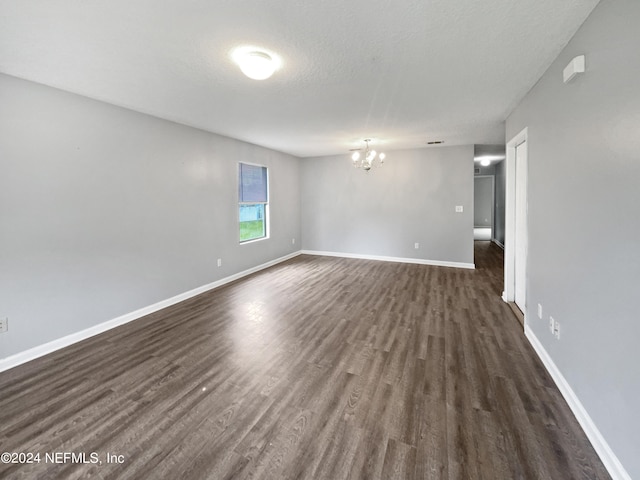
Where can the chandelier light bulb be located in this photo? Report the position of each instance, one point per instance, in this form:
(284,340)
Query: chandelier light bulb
(367,160)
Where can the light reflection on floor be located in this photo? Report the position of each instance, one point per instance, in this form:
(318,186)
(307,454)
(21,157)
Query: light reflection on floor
(482,233)
(252,330)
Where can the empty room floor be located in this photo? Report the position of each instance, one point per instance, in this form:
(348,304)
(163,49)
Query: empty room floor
(317,368)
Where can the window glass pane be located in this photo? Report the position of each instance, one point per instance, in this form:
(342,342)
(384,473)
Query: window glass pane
(252,222)
(253,183)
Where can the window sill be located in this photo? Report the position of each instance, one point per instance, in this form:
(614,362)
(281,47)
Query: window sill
(254,240)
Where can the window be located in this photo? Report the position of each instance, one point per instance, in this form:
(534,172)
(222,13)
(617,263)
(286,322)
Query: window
(253,200)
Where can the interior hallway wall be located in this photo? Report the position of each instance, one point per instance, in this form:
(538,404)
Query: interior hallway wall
(584,220)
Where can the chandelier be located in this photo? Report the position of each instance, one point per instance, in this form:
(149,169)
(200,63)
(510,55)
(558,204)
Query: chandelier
(367,158)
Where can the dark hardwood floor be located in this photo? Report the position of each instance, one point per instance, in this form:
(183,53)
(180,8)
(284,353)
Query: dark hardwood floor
(318,368)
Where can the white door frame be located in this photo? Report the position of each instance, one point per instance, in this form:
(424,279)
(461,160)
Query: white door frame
(509,293)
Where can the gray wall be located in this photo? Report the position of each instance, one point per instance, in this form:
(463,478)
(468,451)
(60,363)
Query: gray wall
(410,199)
(584,219)
(104,211)
(490,170)
(482,201)
(500,198)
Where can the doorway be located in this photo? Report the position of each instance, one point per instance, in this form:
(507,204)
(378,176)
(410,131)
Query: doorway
(483,200)
(516,239)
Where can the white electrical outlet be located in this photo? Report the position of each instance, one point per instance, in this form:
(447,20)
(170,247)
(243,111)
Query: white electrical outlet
(219,262)
(556,330)
(552,325)
(4,324)
(416,245)
(293,241)
(539,311)
(459,209)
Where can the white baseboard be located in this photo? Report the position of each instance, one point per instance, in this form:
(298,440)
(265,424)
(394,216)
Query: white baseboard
(600,445)
(49,347)
(419,261)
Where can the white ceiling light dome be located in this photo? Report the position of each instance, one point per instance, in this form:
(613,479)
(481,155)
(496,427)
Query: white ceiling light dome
(256,63)
(485,160)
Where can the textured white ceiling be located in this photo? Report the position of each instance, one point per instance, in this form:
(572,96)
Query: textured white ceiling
(400,71)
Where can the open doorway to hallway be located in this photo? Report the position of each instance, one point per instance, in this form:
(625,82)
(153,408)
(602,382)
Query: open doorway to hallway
(489,194)
(489,212)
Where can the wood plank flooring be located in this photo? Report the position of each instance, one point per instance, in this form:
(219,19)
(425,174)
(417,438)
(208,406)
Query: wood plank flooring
(317,368)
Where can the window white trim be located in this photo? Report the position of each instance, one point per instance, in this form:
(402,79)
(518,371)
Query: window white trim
(267,212)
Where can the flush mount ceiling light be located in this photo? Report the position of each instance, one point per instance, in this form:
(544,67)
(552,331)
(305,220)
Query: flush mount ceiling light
(367,159)
(255,63)
(485,160)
